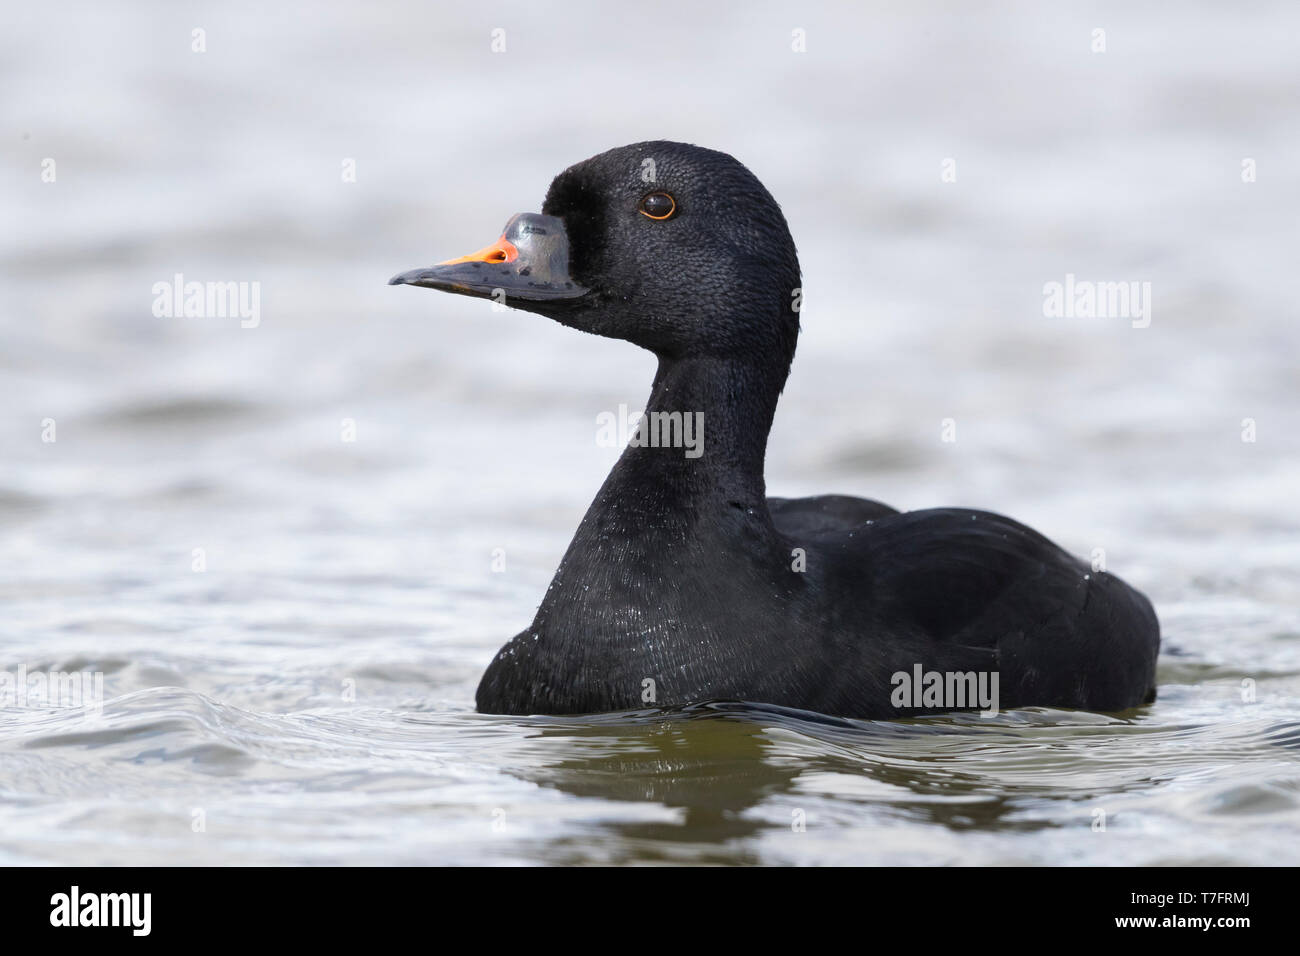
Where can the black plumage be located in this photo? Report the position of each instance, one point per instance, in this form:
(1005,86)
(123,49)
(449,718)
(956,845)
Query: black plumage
(684,582)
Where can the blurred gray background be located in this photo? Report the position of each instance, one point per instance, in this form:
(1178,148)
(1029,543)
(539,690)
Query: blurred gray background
(329,560)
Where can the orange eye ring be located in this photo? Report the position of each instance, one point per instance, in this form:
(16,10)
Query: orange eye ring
(652,206)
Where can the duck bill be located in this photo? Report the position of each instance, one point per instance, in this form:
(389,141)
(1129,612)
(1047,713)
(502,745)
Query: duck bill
(529,263)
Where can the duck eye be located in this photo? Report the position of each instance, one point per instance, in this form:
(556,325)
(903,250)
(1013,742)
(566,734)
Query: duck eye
(658,206)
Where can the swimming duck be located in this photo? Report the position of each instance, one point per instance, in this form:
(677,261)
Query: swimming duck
(686,583)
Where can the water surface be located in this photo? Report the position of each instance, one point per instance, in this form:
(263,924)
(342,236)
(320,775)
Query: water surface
(305,696)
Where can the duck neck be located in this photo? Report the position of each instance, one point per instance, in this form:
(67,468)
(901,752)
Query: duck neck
(703,436)
(667,511)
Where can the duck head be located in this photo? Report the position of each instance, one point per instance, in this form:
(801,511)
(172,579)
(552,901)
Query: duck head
(673,247)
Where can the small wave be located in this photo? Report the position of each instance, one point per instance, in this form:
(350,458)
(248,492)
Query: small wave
(171,412)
